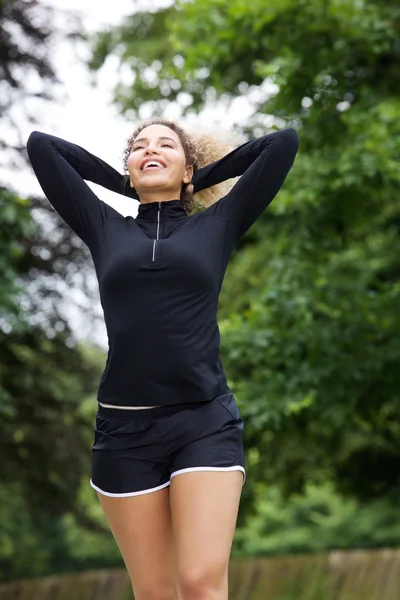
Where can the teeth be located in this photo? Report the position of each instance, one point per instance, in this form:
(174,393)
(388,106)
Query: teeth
(154,163)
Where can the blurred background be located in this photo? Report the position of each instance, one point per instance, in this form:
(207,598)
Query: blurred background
(310,303)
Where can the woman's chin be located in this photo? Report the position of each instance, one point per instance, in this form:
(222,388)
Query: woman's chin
(153,180)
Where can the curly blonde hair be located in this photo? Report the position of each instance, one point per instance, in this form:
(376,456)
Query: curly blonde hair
(200,149)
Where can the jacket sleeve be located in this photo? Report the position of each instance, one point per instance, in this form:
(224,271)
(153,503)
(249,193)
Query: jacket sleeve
(263,165)
(61,168)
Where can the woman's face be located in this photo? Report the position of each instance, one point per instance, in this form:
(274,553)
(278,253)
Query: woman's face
(157,161)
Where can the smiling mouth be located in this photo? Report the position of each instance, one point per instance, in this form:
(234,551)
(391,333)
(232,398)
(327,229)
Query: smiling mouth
(152,165)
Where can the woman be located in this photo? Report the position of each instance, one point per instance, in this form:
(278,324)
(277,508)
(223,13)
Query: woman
(168,463)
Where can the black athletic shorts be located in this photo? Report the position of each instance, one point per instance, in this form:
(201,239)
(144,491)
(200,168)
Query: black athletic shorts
(139,451)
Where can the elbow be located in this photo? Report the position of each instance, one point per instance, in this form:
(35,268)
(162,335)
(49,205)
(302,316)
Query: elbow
(292,139)
(36,143)
(35,135)
(34,139)
(289,143)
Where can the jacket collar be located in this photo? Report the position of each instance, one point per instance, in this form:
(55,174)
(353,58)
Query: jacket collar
(170,209)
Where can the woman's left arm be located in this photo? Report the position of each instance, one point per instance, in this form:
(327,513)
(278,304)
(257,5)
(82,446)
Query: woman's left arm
(263,165)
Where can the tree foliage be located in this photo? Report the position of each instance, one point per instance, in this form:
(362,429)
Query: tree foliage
(310,338)
(309,307)
(45,429)
(27,30)
(316,520)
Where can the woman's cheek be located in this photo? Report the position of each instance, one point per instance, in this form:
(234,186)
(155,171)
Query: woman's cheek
(132,163)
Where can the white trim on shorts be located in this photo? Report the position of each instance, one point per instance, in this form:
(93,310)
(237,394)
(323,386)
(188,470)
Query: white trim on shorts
(193,469)
(125,495)
(164,485)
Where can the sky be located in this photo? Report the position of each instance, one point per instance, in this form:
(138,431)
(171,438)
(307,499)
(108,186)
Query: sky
(83,113)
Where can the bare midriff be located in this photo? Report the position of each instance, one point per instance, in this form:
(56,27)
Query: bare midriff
(127,407)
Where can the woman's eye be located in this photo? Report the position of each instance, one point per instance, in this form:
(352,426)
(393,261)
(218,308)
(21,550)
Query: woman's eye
(141,147)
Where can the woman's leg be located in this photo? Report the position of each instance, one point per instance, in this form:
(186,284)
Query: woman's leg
(141,526)
(204,507)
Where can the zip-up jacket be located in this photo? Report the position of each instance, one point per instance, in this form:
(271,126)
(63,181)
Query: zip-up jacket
(160,274)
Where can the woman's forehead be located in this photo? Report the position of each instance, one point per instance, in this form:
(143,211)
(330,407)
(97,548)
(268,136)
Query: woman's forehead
(156,131)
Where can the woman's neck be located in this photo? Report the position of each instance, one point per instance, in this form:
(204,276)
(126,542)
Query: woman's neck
(158,196)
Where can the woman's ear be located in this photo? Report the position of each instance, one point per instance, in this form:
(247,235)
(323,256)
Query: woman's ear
(188,177)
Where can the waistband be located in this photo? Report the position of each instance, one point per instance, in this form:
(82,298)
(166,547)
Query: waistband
(147,413)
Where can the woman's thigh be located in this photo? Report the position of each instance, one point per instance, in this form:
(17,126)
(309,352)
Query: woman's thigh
(204,508)
(141,526)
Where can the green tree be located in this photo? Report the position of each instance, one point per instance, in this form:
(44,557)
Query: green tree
(309,305)
(27,29)
(47,380)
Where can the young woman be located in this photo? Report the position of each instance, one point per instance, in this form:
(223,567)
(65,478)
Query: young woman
(168,463)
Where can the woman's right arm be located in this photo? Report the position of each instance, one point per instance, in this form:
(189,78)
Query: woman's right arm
(61,168)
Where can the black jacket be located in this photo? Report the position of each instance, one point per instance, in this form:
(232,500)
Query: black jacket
(160,273)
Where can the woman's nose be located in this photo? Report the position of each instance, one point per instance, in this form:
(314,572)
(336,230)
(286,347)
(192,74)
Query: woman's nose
(150,149)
